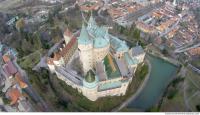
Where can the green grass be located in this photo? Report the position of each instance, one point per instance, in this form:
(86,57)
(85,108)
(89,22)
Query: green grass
(193,89)
(196,63)
(194,101)
(141,71)
(110,73)
(29,61)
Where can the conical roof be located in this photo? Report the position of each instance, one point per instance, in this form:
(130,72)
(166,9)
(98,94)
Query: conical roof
(84,36)
(90,77)
(91,21)
(100,42)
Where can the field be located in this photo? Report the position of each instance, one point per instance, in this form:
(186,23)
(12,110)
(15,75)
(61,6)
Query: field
(192,90)
(7,4)
(30,60)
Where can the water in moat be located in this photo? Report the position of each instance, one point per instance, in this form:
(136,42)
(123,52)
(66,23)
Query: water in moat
(161,74)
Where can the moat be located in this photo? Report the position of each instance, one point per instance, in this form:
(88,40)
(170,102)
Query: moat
(161,74)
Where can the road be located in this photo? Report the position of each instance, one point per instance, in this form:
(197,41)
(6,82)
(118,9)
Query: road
(144,11)
(180,50)
(29,90)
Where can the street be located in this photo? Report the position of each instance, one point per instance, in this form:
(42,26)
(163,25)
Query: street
(29,90)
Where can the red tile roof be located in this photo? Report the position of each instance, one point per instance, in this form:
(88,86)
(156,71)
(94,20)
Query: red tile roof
(21,83)
(6,58)
(64,51)
(14,95)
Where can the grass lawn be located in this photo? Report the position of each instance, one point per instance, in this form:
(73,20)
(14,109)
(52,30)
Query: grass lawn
(141,71)
(194,100)
(193,89)
(176,104)
(30,61)
(196,63)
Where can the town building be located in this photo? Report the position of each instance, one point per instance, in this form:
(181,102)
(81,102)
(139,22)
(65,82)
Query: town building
(12,82)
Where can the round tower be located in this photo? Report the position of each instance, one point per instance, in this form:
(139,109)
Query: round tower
(90,83)
(85,47)
(101,48)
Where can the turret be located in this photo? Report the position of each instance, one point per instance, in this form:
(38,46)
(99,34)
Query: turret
(67,36)
(90,84)
(85,46)
(91,22)
(90,80)
(84,38)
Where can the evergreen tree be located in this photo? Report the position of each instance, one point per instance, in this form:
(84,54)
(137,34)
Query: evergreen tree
(37,41)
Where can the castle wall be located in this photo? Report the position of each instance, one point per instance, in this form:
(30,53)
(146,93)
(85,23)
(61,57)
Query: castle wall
(140,57)
(68,82)
(91,94)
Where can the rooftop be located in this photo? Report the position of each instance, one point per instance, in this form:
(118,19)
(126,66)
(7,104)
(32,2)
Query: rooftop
(118,45)
(100,72)
(9,68)
(84,36)
(14,95)
(100,42)
(21,83)
(122,66)
(129,59)
(6,58)
(137,51)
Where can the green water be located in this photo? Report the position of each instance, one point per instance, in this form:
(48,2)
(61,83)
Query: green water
(160,76)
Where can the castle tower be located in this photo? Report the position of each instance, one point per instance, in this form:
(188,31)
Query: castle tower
(91,24)
(90,83)
(85,46)
(101,49)
(67,36)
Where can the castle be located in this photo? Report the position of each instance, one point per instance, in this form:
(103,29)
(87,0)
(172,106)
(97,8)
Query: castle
(108,63)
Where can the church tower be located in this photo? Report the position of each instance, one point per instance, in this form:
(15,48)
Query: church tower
(85,46)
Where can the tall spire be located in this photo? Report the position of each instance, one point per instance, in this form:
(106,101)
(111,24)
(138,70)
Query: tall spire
(91,21)
(67,35)
(84,36)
